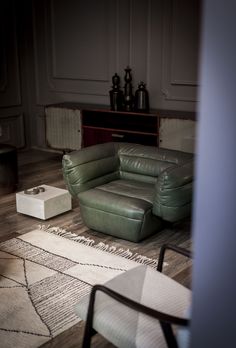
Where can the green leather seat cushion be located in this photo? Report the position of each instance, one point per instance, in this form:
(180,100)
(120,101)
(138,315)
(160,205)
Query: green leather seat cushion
(121,197)
(120,208)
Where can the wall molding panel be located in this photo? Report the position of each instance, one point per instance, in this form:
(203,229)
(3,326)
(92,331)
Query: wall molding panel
(139,38)
(79,47)
(10,90)
(3,68)
(12,130)
(12,126)
(180,50)
(93,28)
(82,66)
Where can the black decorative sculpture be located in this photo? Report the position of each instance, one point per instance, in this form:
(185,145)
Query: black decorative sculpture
(128,95)
(116,95)
(141,99)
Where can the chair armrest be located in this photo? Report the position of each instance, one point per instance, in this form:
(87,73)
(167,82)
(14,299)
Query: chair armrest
(177,176)
(165,320)
(89,167)
(175,248)
(173,192)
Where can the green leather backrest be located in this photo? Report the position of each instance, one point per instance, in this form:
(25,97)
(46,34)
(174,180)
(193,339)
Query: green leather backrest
(90,167)
(146,163)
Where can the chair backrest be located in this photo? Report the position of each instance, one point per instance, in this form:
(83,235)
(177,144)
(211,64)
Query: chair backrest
(99,164)
(89,167)
(146,163)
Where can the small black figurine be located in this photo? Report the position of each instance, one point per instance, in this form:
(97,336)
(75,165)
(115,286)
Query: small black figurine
(141,99)
(128,95)
(116,95)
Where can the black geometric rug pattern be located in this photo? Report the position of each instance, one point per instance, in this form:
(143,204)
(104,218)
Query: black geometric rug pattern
(39,288)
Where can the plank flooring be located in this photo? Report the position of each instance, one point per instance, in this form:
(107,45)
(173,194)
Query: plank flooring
(39,167)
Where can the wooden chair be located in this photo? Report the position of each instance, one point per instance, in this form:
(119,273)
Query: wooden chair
(139,308)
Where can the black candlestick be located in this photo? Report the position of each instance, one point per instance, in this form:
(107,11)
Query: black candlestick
(128,95)
(116,95)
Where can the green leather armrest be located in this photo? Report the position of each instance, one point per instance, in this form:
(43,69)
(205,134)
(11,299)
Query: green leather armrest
(90,167)
(173,192)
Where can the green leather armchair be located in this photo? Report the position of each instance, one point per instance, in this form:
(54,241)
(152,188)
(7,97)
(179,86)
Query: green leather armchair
(127,190)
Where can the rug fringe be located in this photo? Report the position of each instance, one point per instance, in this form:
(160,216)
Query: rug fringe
(69,235)
(101,246)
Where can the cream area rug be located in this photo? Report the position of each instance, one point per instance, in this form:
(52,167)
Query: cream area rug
(43,274)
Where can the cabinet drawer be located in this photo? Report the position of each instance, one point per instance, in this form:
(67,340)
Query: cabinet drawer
(146,123)
(93,136)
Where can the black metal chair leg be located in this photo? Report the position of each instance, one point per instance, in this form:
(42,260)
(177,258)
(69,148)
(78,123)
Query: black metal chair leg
(175,248)
(89,331)
(169,335)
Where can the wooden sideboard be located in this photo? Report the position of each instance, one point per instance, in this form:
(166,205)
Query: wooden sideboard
(103,125)
(70,126)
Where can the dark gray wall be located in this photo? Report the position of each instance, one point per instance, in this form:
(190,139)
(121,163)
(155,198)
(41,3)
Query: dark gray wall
(214,271)
(68,50)
(11,98)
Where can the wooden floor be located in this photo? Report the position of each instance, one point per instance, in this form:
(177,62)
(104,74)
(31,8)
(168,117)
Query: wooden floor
(40,167)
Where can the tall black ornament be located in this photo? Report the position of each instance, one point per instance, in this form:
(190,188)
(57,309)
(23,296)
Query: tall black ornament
(128,94)
(116,95)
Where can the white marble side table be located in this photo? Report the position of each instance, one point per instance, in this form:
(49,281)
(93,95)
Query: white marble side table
(44,205)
